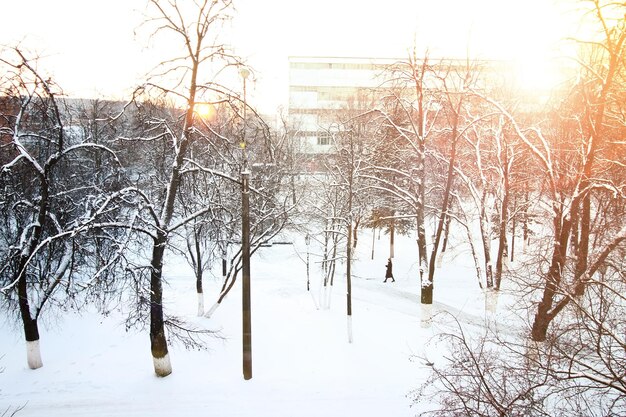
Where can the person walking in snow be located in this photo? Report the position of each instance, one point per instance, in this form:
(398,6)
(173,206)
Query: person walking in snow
(388,272)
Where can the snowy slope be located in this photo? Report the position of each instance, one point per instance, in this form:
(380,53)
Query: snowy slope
(303,364)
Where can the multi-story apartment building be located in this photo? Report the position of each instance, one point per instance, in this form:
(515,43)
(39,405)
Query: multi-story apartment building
(320,86)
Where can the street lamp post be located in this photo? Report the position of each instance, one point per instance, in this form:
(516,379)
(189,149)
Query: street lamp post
(245,244)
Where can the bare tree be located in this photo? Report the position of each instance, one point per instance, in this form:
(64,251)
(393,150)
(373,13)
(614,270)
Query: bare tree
(428,113)
(271,205)
(411,123)
(575,281)
(479,374)
(576,178)
(455,82)
(344,175)
(55,184)
(495,370)
(195,28)
(474,175)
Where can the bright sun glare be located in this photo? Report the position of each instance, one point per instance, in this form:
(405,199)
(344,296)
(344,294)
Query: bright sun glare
(531,36)
(205,110)
(524,32)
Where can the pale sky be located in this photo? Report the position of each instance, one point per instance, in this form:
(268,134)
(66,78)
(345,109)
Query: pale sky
(91,49)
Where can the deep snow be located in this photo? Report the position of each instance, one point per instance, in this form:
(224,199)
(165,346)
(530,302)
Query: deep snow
(303,364)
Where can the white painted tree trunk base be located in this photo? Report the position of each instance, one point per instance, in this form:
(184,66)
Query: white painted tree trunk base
(491,301)
(200,304)
(33,355)
(350,336)
(162,366)
(211,310)
(320,296)
(427,316)
(327,297)
(317,307)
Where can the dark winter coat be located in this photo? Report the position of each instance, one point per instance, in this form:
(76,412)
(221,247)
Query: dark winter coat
(388,273)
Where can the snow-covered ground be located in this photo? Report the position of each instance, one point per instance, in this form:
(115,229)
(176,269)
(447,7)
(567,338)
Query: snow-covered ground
(303,364)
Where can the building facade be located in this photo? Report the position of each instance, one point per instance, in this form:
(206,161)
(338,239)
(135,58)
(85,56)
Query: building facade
(319,87)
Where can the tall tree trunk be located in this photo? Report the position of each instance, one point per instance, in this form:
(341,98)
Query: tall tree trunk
(392,237)
(544,316)
(355,233)
(474,257)
(444,245)
(333,260)
(426,284)
(582,253)
(326,249)
(199,271)
(485,236)
(504,219)
(158,342)
(593,130)
(514,229)
(349,278)
(446,197)
(31,329)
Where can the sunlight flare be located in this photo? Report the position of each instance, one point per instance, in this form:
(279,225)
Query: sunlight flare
(205,110)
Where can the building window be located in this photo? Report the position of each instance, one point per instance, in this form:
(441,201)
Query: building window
(323,138)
